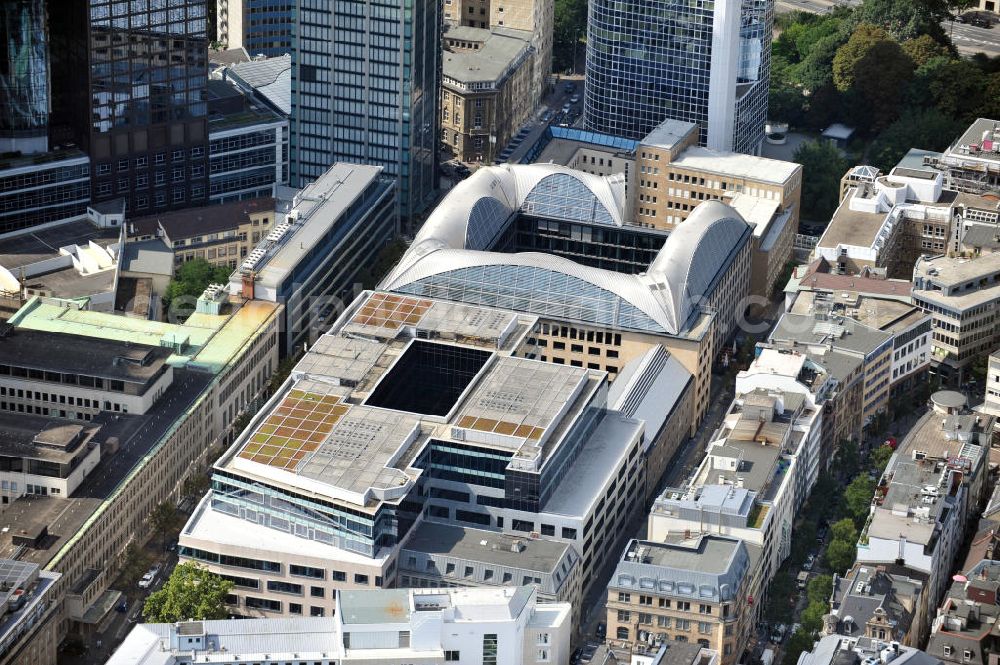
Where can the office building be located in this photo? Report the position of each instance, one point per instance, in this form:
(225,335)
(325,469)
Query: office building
(885,222)
(218,364)
(222,234)
(146,130)
(684,292)
(24,73)
(972,163)
(842,650)
(673,175)
(933,484)
(262,27)
(877,603)
(365,85)
(43,189)
(413,410)
(28,632)
(878,303)
(486,91)
(693,590)
(309,260)
(871,347)
(962,296)
(474,626)
(247,145)
(991,403)
(964,629)
(708,64)
(760,467)
(667,175)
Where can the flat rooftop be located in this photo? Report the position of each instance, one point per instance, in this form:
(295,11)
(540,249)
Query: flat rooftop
(42,437)
(669,133)
(852,227)
(761,169)
(72,354)
(882,313)
(137,436)
(52,158)
(951,272)
(973,136)
(489,547)
(201,221)
(494,53)
(843,333)
(28,248)
(396,372)
(708,554)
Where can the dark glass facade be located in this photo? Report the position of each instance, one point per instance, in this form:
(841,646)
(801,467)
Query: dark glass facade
(24,81)
(135,93)
(38,189)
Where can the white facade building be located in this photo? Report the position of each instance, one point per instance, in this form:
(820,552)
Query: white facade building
(464,626)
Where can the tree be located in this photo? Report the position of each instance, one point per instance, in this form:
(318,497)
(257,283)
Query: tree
(873,65)
(880,458)
(780,590)
(816,68)
(135,562)
(954,86)
(923,48)
(162,520)
(904,19)
(845,62)
(858,497)
(840,555)
(800,641)
(196,485)
(822,168)
(844,530)
(819,589)
(928,129)
(193,277)
(848,460)
(569,24)
(192,592)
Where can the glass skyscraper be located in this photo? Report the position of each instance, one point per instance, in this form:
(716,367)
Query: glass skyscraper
(130,78)
(704,61)
(365,78)
(24,78)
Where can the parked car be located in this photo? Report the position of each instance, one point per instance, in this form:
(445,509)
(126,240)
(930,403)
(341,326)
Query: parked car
(566,107)
(778,633)
(146,581)
(122,606)
(809,562)
(574,99)
(802,579)
(821,535)
(569,87)
(588,652)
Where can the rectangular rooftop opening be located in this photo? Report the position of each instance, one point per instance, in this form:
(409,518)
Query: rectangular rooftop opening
(428,378)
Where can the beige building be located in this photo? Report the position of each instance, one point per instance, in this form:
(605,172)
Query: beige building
(693,590)
(218,372)
(222,234)
(673,175)
(532,16)
(962,297)
(486,90)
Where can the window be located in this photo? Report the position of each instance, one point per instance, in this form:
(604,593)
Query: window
(663,622)
(317,592)
(306,571)
(624,616)
(294,608)
(966,655)
(645,619)
(360,579)
(947,650)
(622,633)
(338,576)
(624,597)
(704,609)
(489,649)
(452,656)
(646,600)
(543,656)
(704,627)
(568,534)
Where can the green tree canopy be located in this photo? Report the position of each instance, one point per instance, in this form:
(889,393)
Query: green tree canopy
(840,555)
(569,26)
(928,129)
(858,497)
(822,168)
(845,63)
(192,592)
(880,457)
(193,277)
(800,641)
(819,589)
(844,530)
(955,87)
(874,67)
(163,518)
(923,48)
(904,19)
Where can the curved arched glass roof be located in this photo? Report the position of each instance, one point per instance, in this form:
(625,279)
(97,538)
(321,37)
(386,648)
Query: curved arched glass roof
(534,290)
(487,219)
(563,196)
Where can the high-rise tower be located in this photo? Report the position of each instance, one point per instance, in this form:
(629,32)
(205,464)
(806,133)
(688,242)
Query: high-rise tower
(703,61)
